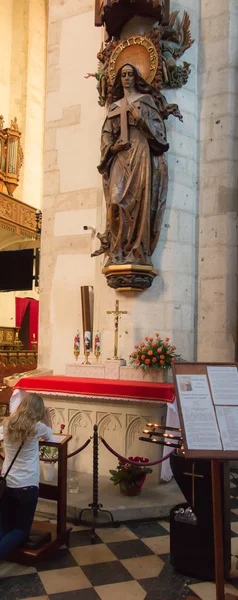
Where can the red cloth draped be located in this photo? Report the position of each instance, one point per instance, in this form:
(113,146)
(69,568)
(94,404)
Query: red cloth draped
(21,306)
(106,388)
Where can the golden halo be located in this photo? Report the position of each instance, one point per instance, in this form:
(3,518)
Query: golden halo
(140,52)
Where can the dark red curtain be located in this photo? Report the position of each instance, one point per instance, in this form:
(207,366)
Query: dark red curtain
(21,307)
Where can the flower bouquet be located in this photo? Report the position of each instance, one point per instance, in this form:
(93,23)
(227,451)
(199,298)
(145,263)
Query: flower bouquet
(131,477)
(155,353)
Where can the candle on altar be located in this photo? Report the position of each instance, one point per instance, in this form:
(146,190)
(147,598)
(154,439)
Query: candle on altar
(87,341)
(97,343)
(77,342)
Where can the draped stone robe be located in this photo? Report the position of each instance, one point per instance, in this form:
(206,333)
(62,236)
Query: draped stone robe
(135,184)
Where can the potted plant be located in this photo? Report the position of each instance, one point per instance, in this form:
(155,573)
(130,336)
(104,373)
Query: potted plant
(48,467)
(131,477)
(154,353)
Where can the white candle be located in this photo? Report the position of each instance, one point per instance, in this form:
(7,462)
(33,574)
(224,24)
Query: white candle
(87,341)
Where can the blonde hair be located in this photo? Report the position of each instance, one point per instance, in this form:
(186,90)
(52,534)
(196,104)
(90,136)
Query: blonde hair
(21,424)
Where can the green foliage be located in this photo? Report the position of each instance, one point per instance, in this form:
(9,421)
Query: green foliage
(128,473)
(48,452)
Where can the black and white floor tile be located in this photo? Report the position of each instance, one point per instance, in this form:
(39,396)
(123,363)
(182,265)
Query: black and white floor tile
(131,562)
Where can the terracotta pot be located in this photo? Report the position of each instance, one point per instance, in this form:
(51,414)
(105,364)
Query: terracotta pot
(132,489)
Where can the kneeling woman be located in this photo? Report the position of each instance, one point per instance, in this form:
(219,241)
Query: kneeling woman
(22,429)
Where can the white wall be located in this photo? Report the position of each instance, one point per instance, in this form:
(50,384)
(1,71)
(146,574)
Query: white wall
(218,91)
(73,198)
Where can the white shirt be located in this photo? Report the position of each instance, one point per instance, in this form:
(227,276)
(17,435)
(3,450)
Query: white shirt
(15,400)
(26,468)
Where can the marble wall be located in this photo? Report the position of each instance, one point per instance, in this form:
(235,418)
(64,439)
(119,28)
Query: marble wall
(73,198)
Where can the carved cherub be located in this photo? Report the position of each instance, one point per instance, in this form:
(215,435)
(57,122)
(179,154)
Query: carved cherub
(175,39)
(101,77)
(14,124)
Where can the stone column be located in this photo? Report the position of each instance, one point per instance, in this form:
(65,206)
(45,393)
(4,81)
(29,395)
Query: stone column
(72,186)
(217,258)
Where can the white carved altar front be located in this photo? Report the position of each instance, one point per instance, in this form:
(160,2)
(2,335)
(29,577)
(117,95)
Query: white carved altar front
(120,422)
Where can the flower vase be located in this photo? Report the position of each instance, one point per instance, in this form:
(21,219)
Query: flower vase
(48,471)
(132,489)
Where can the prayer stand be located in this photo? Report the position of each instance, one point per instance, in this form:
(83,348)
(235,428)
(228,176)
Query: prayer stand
(53,536)
(199,369)
(194,383)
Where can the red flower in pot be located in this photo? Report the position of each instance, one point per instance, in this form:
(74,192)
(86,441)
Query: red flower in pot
(131,477)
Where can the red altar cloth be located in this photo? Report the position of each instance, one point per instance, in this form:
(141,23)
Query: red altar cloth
(101,388)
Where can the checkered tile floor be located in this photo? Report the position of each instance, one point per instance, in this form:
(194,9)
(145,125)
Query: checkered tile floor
(129,563)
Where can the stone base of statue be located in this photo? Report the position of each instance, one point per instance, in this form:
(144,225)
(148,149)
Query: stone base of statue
(127,278)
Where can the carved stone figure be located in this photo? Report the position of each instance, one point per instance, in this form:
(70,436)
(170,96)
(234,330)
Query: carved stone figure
(131,74)
(134,169)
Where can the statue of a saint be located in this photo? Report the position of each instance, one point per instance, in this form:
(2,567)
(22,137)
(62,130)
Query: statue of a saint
(134,169)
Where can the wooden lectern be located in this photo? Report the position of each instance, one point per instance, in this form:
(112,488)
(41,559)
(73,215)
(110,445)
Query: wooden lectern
(187,378)
(59,532)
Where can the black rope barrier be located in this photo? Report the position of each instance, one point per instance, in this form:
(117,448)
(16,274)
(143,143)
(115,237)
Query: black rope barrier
(132,462)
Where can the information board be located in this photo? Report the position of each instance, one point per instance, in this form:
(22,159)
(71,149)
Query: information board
(207,396)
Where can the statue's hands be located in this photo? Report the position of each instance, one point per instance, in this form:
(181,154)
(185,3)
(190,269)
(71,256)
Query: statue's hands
(134,112)
(120,146)
(89,75)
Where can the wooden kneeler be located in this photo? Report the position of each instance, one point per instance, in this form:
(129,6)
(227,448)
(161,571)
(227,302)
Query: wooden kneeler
(59,532)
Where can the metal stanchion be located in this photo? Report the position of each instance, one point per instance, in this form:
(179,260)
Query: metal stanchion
(94,507)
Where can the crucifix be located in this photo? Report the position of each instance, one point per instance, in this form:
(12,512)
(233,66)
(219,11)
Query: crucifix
(193,482)
(122,110)
(116,314)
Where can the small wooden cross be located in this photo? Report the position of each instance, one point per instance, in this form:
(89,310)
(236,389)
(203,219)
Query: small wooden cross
(116,314)
(193,483)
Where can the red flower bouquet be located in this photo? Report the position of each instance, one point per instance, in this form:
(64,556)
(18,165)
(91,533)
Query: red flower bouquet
(155,353)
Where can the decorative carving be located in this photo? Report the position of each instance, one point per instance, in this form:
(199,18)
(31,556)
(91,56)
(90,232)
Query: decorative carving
(14,124)
(115,13)
(22,357)
(134,145)
(134,429)
(175,40)
(17,216)
(108,422)
(168,42)
(57,417)
(139,51)
(135,277)
(11,155)
(81,419)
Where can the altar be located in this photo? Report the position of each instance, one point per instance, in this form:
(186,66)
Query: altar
(121,409)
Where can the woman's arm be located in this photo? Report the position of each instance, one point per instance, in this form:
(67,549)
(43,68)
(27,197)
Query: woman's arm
(47,419)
